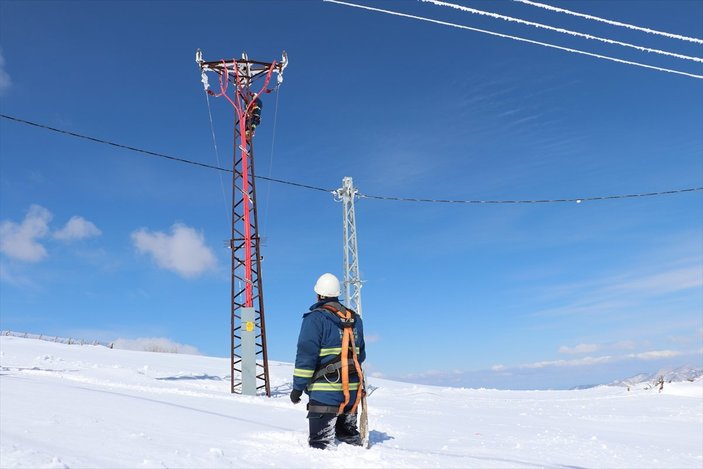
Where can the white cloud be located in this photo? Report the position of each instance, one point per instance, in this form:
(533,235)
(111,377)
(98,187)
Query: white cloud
(673,280)
(586,361)
(580,348)
(183,251)
(19,241)
(655,354)
(626,292)
(77,228)
(5,80)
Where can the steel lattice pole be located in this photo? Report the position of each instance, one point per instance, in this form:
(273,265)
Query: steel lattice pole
(352,279)
(248,326)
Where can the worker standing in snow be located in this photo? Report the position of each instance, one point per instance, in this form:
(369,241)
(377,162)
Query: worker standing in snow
(328,367)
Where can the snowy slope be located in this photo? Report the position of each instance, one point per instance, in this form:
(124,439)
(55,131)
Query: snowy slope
(90,406)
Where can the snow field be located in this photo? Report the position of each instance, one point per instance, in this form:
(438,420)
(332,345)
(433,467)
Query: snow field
(90,406)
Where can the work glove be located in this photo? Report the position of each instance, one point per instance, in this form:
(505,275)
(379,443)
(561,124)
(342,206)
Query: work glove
(295,396)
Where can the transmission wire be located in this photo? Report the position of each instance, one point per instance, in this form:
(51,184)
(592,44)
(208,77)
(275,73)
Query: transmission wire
(160,155)
(611,22)
(516,38)
(577,200)
(560,30)
(360,195)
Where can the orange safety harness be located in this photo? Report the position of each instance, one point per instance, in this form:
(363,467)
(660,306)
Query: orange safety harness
(348,342)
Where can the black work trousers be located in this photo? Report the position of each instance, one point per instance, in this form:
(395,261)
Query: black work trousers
(325,427)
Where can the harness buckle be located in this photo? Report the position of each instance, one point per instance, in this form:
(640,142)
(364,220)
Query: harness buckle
(347,323)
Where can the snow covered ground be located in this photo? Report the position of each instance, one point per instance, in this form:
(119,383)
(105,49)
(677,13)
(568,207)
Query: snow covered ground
(90,406)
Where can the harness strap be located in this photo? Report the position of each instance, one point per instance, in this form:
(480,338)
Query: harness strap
(347,337)
(357,365)
(329,369)
(323,409)
(345,368)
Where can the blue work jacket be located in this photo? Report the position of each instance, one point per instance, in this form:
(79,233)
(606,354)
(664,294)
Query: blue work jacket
(319,343)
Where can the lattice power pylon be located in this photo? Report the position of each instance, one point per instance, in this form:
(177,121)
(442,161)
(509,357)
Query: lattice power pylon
(352,280)
(249,370)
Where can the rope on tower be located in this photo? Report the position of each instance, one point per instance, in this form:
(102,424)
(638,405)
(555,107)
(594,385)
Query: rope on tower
(217,156)
(273,143)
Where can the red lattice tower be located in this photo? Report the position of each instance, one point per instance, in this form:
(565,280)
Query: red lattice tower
(246,288)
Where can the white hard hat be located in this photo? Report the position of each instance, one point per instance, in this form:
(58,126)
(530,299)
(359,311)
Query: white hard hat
(327,285)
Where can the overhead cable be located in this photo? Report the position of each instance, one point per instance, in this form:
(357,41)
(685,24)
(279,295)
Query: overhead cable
(533,201)
(360,195)
(516,38)
(152,153)
(561,30)
(611,22)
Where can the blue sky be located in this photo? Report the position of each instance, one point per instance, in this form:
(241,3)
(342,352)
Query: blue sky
(102,243)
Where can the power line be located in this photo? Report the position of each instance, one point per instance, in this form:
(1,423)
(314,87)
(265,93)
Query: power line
(611,22)
(561,30)
(516,38)
(535,201)
(364,196)
(118,145)
(153,153)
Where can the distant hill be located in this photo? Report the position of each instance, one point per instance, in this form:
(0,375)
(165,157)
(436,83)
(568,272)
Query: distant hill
(670,375)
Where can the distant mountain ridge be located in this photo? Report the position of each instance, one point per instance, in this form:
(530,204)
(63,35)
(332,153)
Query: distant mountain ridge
(669,375)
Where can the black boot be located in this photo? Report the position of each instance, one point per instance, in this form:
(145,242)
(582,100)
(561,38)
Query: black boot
(347,431)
